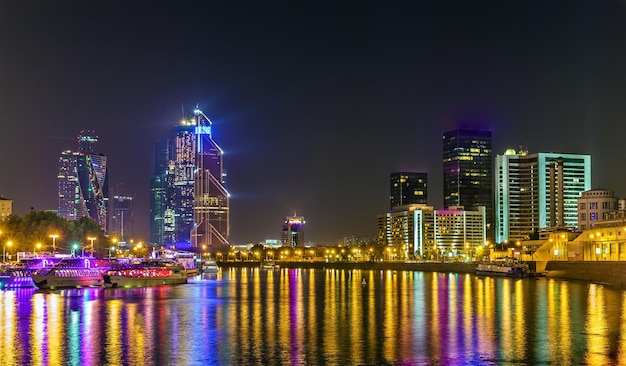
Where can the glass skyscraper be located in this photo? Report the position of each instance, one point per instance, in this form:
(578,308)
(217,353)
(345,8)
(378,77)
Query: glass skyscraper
(407,188)
(468,171)
(189,201)
(83,181)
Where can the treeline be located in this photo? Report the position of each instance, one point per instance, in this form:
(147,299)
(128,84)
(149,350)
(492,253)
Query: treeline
(34,228)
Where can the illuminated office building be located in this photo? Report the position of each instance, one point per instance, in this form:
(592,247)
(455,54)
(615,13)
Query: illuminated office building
(407,188)
(83,181)
(468,170)
(189,200)
(121,213)
(293,232)
(537,191)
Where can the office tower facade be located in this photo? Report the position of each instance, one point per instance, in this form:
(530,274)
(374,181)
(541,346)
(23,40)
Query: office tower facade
(538,191)
(468,170)
(189,201)
(421,231)
(292,235)
(161,196)
(83,181)
(407,188)
(121,213)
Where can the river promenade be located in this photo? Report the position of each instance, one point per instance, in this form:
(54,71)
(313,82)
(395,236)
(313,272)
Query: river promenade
(611,273)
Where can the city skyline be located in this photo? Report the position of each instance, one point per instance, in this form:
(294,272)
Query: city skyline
(314,104)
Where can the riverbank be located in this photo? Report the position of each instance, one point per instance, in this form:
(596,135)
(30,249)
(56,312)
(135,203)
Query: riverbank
(612,273)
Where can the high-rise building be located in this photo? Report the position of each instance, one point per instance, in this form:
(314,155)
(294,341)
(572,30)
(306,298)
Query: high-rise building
(293,232)
(407,188)
(83,181)
(121,213)
(538,191)
(189,200)
(468,171)
(161,196)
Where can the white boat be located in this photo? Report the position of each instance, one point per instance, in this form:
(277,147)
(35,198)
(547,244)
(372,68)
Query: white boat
(210,267)
(72,272)
(270,266)
(146,273)
(506,267)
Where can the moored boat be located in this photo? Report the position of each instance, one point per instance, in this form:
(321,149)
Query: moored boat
(506,267)
(146,273)
(210,267)
(19,275)
(72,272)
(270,266)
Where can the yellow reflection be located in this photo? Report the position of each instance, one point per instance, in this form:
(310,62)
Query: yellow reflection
(622,340)
(520,320)
(7,327)
(507,341)
(55,331)
(596,326)
(113,346)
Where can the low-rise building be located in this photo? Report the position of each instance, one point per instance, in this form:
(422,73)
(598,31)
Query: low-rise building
(421,231)
(6,208)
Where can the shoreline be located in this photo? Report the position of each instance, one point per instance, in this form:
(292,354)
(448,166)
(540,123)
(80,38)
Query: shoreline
(606,273)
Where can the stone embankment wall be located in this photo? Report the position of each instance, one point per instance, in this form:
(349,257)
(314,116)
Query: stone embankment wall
(613,273)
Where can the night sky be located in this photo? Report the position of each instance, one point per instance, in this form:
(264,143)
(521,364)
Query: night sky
(314,104)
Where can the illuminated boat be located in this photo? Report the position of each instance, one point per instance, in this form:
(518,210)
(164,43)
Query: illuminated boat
(270,266)
(72,272)
(146,273)
(19,275)
(507,267)
(210,267)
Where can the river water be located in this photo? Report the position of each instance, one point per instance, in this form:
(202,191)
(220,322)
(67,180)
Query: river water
(250,316)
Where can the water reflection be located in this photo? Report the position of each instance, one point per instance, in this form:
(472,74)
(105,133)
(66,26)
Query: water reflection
(294,316)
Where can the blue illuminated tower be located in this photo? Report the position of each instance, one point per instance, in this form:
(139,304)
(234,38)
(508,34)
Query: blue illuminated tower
(189,200)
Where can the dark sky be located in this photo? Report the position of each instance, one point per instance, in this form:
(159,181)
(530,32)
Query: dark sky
(313,103)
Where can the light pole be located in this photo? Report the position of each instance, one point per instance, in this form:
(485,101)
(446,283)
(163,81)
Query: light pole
(4,253)
(74,249)
(91,239)
(54,243)
(38,246)
(112,249)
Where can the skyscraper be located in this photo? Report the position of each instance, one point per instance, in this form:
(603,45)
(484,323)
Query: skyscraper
(293,232)
(468,171)
(407,188)
(189,200)
(83,181)
(121,213)
(536,191)
(161,196)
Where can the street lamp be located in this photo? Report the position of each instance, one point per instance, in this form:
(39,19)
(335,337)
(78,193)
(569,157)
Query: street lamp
(74,249)
(112,249)
(4,253)
(91,239)
(54,246)
(38,246)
